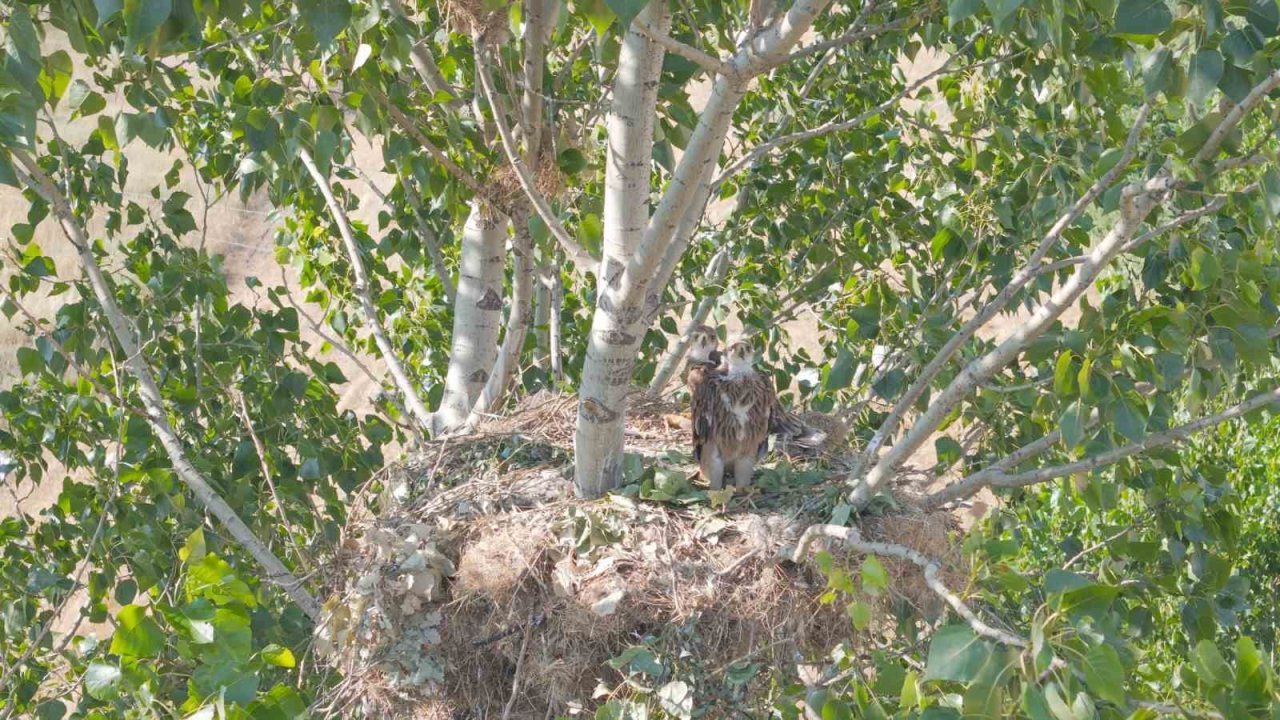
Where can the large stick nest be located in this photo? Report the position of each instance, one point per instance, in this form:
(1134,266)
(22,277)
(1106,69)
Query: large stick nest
(481,571)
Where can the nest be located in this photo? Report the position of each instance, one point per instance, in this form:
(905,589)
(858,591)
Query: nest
(484,20)
(483,585)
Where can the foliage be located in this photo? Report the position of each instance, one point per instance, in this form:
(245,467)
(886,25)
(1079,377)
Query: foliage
(893,230)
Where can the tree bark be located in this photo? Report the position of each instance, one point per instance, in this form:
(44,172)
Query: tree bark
(518,316)
(477,315)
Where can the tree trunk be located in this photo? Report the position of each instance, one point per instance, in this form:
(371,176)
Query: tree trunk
(616,329)
(518,315)
(477,315)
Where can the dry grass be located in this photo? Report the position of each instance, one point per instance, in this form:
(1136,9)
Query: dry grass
(523,582)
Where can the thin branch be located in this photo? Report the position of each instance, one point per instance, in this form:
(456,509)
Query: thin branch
(267,475)
(715,273)
(1168,709)
(700,58)
(1104,542)
(319,330)
(1237,113)
(851,537)
(1137,200)
(361,289)
(833,127)
(582,259)
(429,240)
(407,124)
(854,36)
(1111,457)
(274,570)
(1026,274)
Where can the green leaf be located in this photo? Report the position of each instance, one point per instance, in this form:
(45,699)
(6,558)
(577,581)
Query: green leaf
(102,681)
(1271,191)
(1034,704)
(51,710)
(956,654)
(326,18)
(1157,71)
(84,100)
(279,656)
(571,161)
(1129,421)
(626,10)
(1072,425)
(958,10)
(1063,379)
(875,579)
(1205,270)
(143,17)
(947,450)
(1265,16)
(1002,12)
(136,635)
(860,614)
(1252,674)
(56,76)
(835,709)
(841,373)
(1206,71)
(29,361)
(1104,674)
(1211,665)
(107,9)
(1142,17)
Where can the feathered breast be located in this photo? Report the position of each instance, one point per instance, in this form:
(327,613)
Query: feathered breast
(740,413)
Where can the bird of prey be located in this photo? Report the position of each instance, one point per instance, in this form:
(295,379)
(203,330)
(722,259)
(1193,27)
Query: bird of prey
(731,419)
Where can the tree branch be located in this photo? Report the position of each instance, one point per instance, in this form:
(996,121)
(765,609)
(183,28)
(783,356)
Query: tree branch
(833,127)
(582,259)
(706,61)
(1235,115)
(851,537)
(1002,479)
(715,273)
(861,33)
(432,149)
(1030,269)
(361,289)
(1137,201)
(274,570)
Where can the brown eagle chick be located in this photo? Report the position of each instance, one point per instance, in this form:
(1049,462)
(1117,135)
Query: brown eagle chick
(732,417)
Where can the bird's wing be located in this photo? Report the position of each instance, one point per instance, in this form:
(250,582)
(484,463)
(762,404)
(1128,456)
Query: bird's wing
(702,381)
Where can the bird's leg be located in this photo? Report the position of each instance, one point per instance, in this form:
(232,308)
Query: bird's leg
(712,466)
(743,468)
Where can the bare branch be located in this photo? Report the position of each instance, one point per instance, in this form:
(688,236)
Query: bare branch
(582,259)
(432,149)
(703,59)
(1235,115)
(274,570)
(715,273)
(361,289)
(851,537)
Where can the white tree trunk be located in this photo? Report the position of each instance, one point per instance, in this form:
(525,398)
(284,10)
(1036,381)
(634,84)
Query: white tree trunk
(616,327)
(518,316)
(477,315)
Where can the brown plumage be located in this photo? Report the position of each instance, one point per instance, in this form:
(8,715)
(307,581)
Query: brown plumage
(732,414)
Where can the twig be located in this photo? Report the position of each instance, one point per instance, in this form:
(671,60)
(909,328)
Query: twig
(851,537)
(1233,117)
(834,127)
(854,35)
(515,676)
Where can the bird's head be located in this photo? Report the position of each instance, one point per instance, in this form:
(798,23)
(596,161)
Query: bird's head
(703,343)
(740,356)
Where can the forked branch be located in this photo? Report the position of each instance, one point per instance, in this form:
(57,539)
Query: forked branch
(582,259)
